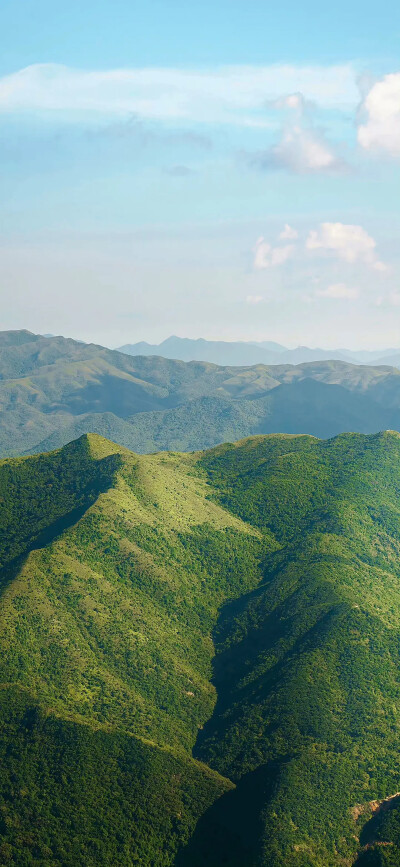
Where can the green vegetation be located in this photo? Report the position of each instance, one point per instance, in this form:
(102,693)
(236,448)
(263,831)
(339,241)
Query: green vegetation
(40,496)
(73,795)
(307,664)
(200,655)
(105,639)
(380,837)
(53,390)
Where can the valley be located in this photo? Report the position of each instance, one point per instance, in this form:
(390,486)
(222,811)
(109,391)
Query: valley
(54,389)
(199,654)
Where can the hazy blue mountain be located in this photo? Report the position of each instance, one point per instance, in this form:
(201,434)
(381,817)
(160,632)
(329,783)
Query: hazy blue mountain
(268,344)
(239,353)
(392,358)
(215,351)
(53,390)
(376,356)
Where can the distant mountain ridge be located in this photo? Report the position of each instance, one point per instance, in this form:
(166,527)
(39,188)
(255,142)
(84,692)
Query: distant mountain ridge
(243,352)
(55,389)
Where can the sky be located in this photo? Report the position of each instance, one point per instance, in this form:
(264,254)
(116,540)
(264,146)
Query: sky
(226,169)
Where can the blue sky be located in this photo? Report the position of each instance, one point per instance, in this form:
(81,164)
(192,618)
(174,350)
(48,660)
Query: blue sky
(227,170)
(177,33)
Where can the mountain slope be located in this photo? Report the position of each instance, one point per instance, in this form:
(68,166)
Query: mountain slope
(113,569)
(209,638)
(307,665)
(53,390)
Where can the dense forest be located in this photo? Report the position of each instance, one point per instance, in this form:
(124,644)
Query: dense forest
(200,655)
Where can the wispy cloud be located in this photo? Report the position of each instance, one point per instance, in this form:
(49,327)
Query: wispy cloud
(346,253)
(288,233)
(303,148)
(134,128)
(254,299)
(348,242)
(237,94)
(267,256)
(338,291)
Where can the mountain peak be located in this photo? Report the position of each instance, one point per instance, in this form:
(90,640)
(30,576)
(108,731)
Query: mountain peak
(99,446)
(239,606)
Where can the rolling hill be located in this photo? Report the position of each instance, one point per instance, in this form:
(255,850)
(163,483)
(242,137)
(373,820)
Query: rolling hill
(200,655)
(53,390)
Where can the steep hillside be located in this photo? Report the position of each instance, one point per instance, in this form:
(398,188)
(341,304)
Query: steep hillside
(113,571)
(53,390)
(307,665)
(200,655)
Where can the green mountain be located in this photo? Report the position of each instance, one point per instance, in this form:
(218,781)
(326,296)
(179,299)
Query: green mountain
(53,390)
(200,655)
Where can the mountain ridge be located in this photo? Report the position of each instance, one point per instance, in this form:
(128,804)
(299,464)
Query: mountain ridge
(237,611)
(52,390)
(251,352)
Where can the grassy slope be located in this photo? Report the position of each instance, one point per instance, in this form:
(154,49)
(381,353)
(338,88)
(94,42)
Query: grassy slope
(106,652)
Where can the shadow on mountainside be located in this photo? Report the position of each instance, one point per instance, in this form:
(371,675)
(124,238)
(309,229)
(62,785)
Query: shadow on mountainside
(258,634)
(49,535)
(55,529)
(230,833)
(380,836)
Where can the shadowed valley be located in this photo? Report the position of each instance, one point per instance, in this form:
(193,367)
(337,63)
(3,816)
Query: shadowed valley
(200,654)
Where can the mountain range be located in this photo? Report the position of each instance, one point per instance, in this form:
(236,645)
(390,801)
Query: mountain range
(265,352)
(53,389)
(200,655)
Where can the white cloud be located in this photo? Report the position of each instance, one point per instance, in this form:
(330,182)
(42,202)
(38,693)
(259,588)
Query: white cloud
(254,299)
(266,256)
(338,290)
(234,94)
(349,242)
(302,148)
(381,108)
(288,233)
(292,100)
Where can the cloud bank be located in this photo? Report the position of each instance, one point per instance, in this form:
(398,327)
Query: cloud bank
(227,94)
(348,243)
